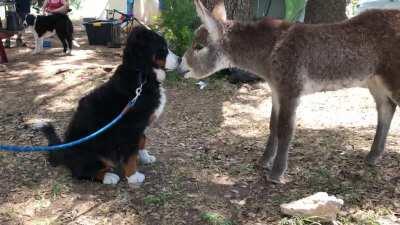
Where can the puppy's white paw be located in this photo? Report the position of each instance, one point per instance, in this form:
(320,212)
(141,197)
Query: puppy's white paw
(39,125)
(136,179)
(145,157)
(110,178)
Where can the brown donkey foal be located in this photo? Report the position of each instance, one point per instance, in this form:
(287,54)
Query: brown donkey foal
(300,59)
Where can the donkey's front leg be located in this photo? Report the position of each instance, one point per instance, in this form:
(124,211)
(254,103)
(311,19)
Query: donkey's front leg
(386,108)
(272,143)
(285,130)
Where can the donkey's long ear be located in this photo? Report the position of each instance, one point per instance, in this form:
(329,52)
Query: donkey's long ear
(212,24)
(219,11)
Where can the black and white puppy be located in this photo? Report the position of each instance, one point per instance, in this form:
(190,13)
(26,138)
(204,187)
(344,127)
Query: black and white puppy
(46,26)
(114,154)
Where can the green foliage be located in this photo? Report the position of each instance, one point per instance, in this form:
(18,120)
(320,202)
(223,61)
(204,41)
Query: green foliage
(178,22)
(299,221)
(75,3)
(158,200)
(215,219)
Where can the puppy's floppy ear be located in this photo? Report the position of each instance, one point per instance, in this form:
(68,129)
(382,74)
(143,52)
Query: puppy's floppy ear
(136,52)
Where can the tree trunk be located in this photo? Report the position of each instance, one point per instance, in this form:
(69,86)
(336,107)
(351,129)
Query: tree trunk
(325,11)
(235,9)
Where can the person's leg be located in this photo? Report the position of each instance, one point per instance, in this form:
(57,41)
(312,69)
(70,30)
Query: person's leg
(7,43)
(19,41)
(129,7)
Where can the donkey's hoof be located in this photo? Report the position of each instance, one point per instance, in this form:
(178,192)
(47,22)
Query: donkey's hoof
(276,179)
(372,160)
(265,165)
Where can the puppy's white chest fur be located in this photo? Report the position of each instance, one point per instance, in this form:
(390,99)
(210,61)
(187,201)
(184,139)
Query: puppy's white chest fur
(160,75)
(163,98)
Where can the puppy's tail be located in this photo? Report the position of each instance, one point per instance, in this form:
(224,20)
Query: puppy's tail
(55,157)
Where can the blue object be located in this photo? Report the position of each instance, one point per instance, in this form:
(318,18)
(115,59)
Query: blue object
(13,148)
(129,6)
(162,5)
(46,43)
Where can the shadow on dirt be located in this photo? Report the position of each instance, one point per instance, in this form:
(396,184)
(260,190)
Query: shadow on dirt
(204,165)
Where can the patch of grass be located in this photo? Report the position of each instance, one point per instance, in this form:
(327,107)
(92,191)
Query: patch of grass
(173,78)
(367,219)
(157,200)
(322,179)
(9,213)
(56,190)
(215,219)
(364,218)
(219,82)
(299,221)
(203,159)
(243,169)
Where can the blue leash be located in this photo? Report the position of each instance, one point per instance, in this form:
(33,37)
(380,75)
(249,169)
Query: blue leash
(13,148)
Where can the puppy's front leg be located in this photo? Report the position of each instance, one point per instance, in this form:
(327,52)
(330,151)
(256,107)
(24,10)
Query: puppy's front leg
(144,155)
(130,170)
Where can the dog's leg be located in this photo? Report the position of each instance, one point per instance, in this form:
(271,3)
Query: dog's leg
(38,43)
(130,170)
(285,130)
(104,175)
(386,108)
(272,143)
(144,155)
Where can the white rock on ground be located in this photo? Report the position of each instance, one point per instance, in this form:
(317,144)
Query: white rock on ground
(319,205)
(389,220)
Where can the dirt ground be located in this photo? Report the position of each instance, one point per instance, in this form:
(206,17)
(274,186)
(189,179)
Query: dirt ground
(207,143)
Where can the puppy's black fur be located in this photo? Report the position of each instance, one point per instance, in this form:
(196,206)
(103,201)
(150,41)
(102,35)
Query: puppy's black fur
(144,50)
(60,23)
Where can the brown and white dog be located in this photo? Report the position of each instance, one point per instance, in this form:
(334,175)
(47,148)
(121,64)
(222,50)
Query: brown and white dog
(300,59)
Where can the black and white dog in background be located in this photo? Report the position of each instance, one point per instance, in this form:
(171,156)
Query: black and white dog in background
(46,26)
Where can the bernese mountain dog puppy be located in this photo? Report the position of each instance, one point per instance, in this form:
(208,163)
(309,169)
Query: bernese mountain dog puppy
(114,154)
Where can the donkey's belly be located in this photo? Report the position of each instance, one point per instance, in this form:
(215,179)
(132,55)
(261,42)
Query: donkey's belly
(318,85)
